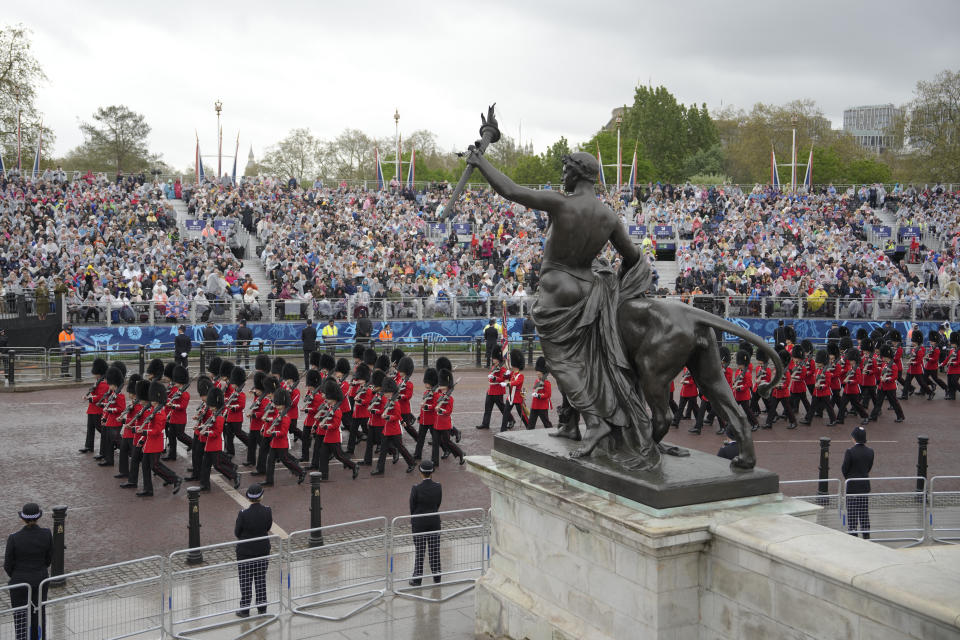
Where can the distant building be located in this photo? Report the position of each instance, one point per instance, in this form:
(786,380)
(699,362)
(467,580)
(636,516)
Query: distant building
(871,125)
(612,123)
(252,167)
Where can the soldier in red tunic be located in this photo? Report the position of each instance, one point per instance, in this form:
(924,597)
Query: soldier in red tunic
(497,379)
(93,398)
(540,399)
(515,394)
(392,433)
(328,423)
(213,448)
(444,403)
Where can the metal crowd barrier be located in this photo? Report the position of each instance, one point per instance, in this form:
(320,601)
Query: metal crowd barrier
(455,555)
(944,517)
(15,619)
(831,515)
(103,608)
(895,510)
(203,595)
(341,564)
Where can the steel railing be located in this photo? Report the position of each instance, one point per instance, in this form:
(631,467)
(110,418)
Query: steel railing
(944,509)
(15,619)
(831,515)
(894,510)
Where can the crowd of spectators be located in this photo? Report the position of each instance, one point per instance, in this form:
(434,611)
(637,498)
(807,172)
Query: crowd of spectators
(111,246)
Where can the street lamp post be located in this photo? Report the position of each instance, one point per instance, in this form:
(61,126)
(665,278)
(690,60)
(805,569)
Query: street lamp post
(396,138)
(793,155)
(218,107)
(619,155)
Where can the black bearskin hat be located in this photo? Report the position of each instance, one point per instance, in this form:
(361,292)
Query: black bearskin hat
(332,390)
(383,363)
(270,384)
(878,335)
(158,393)
(342,366)
(119,364)
(180,375)
(784,355)
(406,366)
(213,367)
(516,359)
(894,336)
(807,346)
(313,378)
(933,336)
(369,357)
(862,334)
(762,356)
(214,398)
(498,356)
(203,385)
(115,377)
(376,378)
(541,365)
(886,351)
(281,398)
(844,331)
(168,370)
(395,355)
(443,362)
(258,380)
(724,354)
(226,367)
(99,367)
(955,338)
(821,356)
(363,373)
(916,337)
(390,385)
(430,376)
(276,367)
(797,353)
(866,345)
(315,359)
(833,349)
(327,362)
(446,379)
(238,377)
(290,372)
(746,346)
(852,354)
(358,350)
(155,368)
(845,343)
(133,382)
(262,363)
(743,358)
(143,390)
(790,333)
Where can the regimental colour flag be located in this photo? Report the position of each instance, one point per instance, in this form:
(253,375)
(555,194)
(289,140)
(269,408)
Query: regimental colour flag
(3,171)
(36,157)
(505,338)
(603,180)
(632,180)
(236,152)
(198,165)
(376,154)
(410,170)
(774,172)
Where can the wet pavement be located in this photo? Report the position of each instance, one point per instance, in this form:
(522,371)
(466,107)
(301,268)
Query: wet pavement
(105,524)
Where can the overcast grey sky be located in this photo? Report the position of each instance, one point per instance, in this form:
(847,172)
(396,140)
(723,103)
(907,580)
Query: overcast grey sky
(557,67)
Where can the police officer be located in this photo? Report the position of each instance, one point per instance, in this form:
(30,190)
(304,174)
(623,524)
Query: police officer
(253,522)
(28,554)
(244,336)
(857,463)
(492,337)
(425,499)
(182,346)
(309,338)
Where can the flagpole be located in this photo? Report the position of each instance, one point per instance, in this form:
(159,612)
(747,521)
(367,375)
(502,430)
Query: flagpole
(619,156)
(793,156)
(236,152)
(19,152)
(396,138)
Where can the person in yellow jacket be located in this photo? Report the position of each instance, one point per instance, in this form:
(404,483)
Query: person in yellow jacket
(67,345)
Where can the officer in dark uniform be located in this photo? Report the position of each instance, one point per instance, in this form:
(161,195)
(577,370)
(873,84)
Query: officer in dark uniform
(211,337)
(244,336)
(309,337)
(28,554)
(857,463)
(181,347)
(730,448)
(425,500)
(253,522)
(492,337)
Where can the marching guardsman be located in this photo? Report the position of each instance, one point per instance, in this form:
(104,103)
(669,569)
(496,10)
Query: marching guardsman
(236,402)
(341,373)
(358,351)
(515,395)
(688,399)
(781,396)
(150,445)
(798,380)
(915,366)
(361,407)
(262,363)
(168,375)
(895,338)
(130,419)
(821,390)
(888,384)
(290,380)
(213,368)
(199,441)
(762,374)
(743,387)
(376,423)
(276,430)
(113,408)
(327,427)
(931,364)
(312,400)
(443,362)
(952,366)
(809,366)
(851,378)
(837,367)
(540,398)
(392,433)
(497,379)
(869,374)
(270,386)
(94,397)
(705,412)
(405,369)
(428,412)
(258,405)
(177,405)
(154,371)
(395,356)
(441,430)
(213,428)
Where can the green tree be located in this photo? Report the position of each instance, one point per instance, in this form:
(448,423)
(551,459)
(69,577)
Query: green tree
(532,170)
(704,162)
(553,159)
(295,156)
(933,126)
(118,136)
(827,165)
(865,171)
(20,77)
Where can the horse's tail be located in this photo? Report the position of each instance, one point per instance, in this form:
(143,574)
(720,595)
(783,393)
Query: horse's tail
(727,326)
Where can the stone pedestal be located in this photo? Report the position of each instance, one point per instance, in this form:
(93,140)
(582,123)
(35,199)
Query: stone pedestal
(572,561)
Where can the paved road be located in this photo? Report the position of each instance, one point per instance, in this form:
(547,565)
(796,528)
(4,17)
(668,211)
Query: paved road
(44,429)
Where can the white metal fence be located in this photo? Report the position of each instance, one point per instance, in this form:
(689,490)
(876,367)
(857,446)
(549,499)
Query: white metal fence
(944,514)
(831,515)
(15,618)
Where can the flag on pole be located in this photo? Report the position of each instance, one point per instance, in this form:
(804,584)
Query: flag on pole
(3,171)
(219,153)
(505,340)
(774,172)
(399,147)
(410,170)
(236,152)
(376,154)
(36,158)
(603,181)
(632,180)
(808,176)
(198,166)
